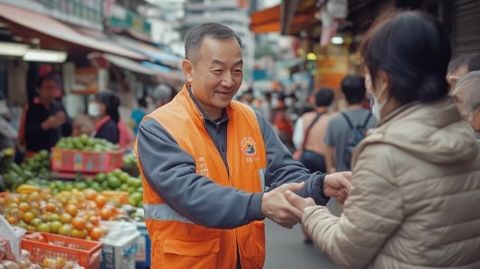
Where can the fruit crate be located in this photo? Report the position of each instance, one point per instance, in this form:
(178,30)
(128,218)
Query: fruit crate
(85,253)
(66,160)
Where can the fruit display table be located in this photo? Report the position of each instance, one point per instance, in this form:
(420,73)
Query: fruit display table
(72,206)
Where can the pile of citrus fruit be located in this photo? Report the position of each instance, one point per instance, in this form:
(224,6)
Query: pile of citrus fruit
(73,213)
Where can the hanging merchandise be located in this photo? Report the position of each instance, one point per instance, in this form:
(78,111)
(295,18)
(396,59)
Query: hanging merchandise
(331,13)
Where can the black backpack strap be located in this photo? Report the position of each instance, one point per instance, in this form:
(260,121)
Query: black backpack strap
(348,120)
(367,120)
(307,131)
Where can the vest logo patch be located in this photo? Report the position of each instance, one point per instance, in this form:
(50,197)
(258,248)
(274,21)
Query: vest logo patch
(248,147)
(202,168)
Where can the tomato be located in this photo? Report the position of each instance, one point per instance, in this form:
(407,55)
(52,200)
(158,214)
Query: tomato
(96,233)
(55,226)
(90,194)
(43,227)
(65,218)
(24,207)
(106,213)
(28,217)
(79,223)
(66,229)
(100,200)
(71,209)
(79,233)
(94,220)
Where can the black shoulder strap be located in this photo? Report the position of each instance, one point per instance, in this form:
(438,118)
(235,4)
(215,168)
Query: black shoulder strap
(348,120)
(367,120)
(307,132)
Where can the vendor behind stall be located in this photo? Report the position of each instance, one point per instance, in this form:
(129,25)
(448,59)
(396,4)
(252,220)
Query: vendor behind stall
(44,117)
(105,114)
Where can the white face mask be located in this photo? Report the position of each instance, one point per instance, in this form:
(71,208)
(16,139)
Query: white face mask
(94,109)
(375,105)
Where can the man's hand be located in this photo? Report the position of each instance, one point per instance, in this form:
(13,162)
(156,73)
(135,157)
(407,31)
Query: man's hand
(298,202)
(337,185)
(276,207)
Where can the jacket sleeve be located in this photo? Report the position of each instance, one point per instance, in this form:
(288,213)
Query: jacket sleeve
(171,173)
(282,168)
(372,212)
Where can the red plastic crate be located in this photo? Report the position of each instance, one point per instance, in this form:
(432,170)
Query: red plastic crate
(64,160)
(85,253)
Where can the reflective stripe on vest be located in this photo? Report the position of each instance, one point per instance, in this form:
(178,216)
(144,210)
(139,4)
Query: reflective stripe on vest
(163,212)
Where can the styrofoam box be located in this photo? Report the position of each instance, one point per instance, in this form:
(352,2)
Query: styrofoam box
(119,246)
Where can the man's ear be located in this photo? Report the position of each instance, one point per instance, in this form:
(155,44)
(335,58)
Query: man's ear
(187,67)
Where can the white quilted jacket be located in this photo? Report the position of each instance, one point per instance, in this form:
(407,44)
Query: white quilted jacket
(415,201)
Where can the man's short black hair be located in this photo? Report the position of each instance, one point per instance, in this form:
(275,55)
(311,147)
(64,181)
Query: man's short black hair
(49,76)
(353,87)
(470,60)
(324,97)
(195,36)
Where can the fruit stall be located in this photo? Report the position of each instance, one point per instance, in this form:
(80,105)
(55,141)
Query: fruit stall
(79,206)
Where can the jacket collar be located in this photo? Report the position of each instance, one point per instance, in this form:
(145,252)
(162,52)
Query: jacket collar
(187,90)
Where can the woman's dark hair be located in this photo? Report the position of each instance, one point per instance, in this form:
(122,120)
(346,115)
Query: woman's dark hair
(324,97)
(413,49)
(112,102)
(353,87)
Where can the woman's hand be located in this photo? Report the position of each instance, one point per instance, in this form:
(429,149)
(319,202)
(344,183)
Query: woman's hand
(298,202)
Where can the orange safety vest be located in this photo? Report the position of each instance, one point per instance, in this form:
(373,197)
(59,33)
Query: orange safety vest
(176,241)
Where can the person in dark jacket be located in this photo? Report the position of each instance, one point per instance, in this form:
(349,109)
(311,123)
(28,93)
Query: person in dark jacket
(44,117)
(104,111)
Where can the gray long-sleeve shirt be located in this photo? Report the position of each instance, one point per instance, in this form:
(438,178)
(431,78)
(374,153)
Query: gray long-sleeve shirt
(172,173)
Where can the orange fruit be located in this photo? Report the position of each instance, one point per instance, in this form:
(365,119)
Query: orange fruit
(79,223)
(94,220)
(28,216)
(79,233)
(66,229)
(100,200)
(96,233)
(90,194)
(12,220)
(71,209)
(50,207)
(90,227)
(106,213)
(65,218)
(24,207)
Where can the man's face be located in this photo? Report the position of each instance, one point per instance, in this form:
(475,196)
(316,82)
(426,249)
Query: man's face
(215,73)
(455,75)
(47,90)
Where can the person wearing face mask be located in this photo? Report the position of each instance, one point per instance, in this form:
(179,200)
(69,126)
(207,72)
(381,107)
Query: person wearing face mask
(103,109)
(416,176)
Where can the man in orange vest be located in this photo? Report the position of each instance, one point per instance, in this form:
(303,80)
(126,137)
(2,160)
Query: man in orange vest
(213,169)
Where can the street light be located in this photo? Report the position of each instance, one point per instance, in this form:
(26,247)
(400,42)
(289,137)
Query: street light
(38,55)
(337,40)
(13,49)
